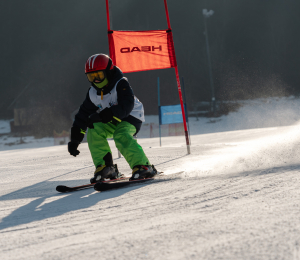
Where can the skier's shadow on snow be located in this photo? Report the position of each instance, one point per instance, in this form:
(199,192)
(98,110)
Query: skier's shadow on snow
(55,204)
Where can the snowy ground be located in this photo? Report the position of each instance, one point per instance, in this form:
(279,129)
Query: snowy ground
(237,196)
(258,113)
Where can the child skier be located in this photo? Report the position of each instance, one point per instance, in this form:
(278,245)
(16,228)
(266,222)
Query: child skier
(110,110)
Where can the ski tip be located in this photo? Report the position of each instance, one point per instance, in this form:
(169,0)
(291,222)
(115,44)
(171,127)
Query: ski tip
(62,188)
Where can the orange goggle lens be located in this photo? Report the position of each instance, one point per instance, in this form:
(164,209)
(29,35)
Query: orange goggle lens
(99,75)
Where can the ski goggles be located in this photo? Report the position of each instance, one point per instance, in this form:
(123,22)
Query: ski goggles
(97,75)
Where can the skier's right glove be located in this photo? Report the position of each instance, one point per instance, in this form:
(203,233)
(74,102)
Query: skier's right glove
(72,147)
(77,136)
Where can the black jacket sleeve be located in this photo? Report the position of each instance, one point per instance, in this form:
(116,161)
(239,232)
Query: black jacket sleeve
(86,109)
(125,98)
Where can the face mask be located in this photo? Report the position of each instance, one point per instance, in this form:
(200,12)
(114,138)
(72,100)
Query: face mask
(101,84)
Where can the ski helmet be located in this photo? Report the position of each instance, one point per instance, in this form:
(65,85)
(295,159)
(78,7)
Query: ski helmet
(100,63)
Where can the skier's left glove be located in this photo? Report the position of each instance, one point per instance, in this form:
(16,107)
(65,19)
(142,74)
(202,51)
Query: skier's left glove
(104,116)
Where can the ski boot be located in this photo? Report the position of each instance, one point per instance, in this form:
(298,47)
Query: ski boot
(143,172)
(103,172)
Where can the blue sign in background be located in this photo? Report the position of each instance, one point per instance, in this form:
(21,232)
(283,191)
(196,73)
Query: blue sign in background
(170,115)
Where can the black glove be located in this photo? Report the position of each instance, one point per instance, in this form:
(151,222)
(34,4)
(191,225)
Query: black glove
(72,147)
(93,118)
(104,116)
(77,134)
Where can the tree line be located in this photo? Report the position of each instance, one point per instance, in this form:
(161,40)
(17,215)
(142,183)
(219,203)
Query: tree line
(44,44)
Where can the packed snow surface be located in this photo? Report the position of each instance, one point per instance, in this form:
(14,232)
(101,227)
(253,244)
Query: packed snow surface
(236,196)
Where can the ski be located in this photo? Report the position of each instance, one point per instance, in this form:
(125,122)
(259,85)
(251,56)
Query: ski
(111,184)
(63,188)
(104,186)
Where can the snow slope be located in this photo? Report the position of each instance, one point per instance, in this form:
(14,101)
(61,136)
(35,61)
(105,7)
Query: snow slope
(237,197)
(257,113)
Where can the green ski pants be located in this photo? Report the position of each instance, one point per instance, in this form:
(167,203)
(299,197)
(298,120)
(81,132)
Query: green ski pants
(122,133)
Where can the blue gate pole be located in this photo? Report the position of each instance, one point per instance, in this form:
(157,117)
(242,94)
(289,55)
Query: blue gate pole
(159,115)
(185,109)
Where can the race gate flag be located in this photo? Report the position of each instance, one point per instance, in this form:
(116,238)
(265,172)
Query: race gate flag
(136,51)
(170,115)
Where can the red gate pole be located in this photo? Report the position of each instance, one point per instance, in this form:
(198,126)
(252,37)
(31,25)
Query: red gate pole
(179,88)
(107,16)
(110,52)
(109,34)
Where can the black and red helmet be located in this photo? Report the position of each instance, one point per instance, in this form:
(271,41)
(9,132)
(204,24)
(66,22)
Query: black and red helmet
(98,62)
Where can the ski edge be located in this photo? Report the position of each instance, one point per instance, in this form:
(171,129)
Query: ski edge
(64,189)
(102,186)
